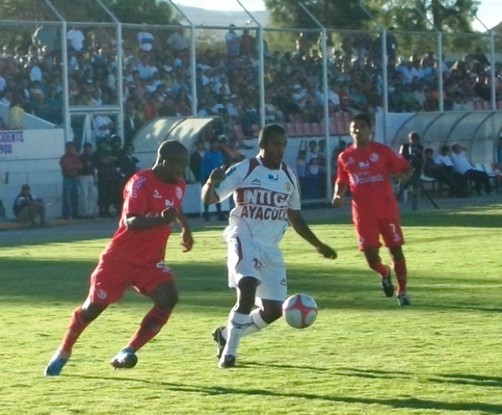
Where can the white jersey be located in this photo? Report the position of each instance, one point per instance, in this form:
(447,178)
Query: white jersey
(262,198)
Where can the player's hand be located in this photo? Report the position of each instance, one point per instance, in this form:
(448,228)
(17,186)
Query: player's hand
(326,251)
(217,175)
(186,240)
(169,215)
(337,201)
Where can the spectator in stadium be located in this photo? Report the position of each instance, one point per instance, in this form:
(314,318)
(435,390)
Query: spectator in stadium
(135,256)
(132,122)
(233,42)
(16,114)
(70,168)
(212,159)
(177,41)
(104,126)
(105,164)
(366,168)
(75,39)
(29,209)
(465,168)
(127,166)
(266,194)
(146,41)
(195,162)
(303,45)
(88,181)
(247,46)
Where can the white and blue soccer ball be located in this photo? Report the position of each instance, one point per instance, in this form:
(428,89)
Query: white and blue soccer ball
(299,310)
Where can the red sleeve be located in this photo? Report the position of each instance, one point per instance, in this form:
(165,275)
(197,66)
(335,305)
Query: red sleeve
(397,163)
(342,176)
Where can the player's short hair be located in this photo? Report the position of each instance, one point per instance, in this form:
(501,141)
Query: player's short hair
(268,132)
(362,116)
(171,150)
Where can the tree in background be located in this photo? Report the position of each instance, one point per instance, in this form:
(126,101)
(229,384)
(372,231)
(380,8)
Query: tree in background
(137,11)
(446,15)
(406,15)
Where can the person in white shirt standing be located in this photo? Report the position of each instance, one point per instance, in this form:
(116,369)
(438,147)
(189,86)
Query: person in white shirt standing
(266,196)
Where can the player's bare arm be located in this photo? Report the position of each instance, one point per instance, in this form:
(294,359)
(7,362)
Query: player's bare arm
(186,233)
(301,228)
(339,192)
(137,222)
(209,196)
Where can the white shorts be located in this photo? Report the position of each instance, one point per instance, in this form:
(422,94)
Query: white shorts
(246,258)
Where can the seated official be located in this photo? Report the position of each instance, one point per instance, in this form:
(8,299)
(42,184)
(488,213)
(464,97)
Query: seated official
(29,209)
(443,174)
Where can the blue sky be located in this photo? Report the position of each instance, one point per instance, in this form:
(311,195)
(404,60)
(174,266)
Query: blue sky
(490,11)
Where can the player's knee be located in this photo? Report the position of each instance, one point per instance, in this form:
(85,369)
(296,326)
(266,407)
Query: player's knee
(272,313)
(168,300)
(90,311)
(165,296)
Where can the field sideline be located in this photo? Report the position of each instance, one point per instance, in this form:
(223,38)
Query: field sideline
(364,355)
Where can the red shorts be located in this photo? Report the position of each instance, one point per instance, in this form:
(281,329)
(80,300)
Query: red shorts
(369,229)
(110,279)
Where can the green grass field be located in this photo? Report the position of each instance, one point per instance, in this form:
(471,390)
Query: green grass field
(364,355)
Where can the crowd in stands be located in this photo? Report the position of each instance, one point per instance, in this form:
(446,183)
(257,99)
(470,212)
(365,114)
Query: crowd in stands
(156,75)
(156,80)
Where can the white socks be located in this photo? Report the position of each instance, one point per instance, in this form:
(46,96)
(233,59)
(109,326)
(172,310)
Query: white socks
(241,325)
(237,323)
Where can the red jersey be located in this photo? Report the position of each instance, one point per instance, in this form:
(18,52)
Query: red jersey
(368,172)
(144,195)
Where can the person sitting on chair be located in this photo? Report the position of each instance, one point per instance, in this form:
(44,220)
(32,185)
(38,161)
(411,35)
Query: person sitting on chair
(465,168)
(29,209)
(442,174)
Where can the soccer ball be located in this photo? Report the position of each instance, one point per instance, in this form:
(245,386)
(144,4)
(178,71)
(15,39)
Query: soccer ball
(299,311)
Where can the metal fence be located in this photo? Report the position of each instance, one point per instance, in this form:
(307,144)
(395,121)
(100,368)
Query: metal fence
(101,77)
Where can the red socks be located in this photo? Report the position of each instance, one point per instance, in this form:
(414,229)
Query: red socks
(401,275)
(381,269)
(76,327)
(150,326)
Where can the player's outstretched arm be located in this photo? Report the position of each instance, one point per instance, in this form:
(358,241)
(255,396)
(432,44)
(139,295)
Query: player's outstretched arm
(301,228)
(209,196)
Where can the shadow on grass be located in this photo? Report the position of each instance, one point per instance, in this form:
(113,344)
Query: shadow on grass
(397,403)
(474,380)
(476,217)
(204,284)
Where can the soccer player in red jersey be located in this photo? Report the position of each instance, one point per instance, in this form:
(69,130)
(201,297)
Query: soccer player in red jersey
(366,168)
(135,256)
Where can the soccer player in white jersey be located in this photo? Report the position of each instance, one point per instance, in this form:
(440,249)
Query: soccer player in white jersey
(266,196)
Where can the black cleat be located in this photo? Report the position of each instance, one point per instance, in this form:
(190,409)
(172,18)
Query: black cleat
(125,359)
(220,340)
(403,300)
(226,361)
(387,286)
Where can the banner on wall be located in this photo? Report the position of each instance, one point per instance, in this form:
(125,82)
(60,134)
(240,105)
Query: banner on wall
(31,144)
